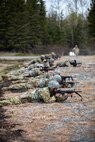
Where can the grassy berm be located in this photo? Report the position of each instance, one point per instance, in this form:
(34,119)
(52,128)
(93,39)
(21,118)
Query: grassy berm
(70,121)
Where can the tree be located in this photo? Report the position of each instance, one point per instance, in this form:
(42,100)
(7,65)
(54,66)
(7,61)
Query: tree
(73,30)
(16,27)
(42,20)
(3,25)
(13,24)
(33,20)
(91,19)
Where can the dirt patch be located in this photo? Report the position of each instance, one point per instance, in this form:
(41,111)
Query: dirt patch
(71,121)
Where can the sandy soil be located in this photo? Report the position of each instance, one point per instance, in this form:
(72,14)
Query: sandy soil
(71,121)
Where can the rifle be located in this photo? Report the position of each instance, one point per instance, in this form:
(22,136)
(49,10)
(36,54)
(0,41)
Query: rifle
(46,69)
(75,63)
(65,77)
(69,91)
(68,83)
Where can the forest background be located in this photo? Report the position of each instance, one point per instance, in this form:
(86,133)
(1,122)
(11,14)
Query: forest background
(26,26)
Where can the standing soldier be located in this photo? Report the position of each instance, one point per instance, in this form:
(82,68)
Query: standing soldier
(76,50)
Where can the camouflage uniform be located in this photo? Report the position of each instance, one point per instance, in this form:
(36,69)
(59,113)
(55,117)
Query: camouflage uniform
(76,50)
(42,94)
(60,98)
(64,64)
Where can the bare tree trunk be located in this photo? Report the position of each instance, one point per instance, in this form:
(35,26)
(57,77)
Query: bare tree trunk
(76,6)
(72,36)
(56,7)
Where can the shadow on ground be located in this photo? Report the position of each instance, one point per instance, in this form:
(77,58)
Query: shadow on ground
(9,131)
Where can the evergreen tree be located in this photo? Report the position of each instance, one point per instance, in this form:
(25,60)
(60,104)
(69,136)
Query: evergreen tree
(12,35)
(3,26)
(53,30)
(33,20)
(91,18)
(42,20)
(15,24)
(73,30)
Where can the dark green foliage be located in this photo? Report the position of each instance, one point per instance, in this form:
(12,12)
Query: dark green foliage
(42,20)
(91,18)
(22,25)
(25,27)
(53,31)
(68,33)
(2,24)
(16,23)
(13,27)
(32,19)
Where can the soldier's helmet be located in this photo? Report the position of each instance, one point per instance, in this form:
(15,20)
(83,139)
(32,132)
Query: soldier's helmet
(53,84)
(43,82)
(42,57)
(57,77)
(32,73)
(56,71)
(53,55)
(51,61)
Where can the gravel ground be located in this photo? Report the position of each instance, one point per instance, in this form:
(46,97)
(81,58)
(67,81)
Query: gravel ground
(70,121)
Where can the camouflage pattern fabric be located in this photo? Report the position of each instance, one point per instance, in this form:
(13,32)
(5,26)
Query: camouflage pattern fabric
(61,64)
(76,50)
(36,74)
(59,97)
(67,63)
(18,86)
(43,82)
(42,95)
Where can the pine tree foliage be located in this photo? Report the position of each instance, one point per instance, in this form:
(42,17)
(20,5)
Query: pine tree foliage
(12,23)
(24,26)
(42,20)
(91,19)
(3,24)
(15,30)
(33,20)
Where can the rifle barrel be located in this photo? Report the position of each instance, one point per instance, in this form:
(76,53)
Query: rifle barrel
(69,91)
